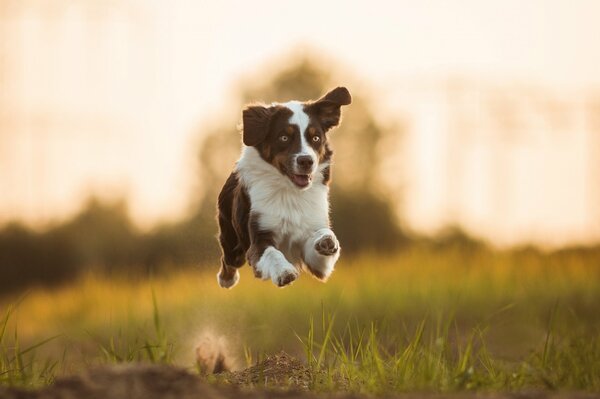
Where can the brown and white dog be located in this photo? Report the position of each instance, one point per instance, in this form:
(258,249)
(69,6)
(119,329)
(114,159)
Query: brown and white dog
(274,208)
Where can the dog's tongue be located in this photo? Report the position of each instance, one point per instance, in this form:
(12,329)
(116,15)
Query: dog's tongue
(301,180)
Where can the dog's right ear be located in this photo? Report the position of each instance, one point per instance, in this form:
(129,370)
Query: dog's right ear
(327,108)
(256,120)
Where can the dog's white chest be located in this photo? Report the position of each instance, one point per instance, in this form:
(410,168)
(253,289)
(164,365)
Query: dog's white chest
(290,214)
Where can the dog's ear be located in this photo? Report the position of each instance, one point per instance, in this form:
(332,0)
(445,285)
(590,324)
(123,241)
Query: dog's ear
(256,120)
(327,108)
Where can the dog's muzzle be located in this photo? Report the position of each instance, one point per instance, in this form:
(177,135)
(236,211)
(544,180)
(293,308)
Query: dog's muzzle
(302,170)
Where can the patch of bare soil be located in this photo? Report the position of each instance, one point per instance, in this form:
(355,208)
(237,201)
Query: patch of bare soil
(289,375)
(277,371)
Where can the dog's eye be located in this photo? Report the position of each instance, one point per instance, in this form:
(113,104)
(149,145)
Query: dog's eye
(316,139)
(283,139)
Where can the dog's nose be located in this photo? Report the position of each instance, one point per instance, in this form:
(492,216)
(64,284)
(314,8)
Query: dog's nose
(305,161)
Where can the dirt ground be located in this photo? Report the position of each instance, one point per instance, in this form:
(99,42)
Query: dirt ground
(288,376)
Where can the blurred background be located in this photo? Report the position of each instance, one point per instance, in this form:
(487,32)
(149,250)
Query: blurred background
(118,124)
(466,178)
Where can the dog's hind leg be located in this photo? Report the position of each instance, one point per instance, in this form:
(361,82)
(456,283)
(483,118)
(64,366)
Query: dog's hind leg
(232,259)
(233,207)
(233,254)
(321,251)
(228,276)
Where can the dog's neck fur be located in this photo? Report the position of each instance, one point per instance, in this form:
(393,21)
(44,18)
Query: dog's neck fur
(292,214)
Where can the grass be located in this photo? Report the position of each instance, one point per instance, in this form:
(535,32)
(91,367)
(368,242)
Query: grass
(434,360)
(420,320)
(19,366)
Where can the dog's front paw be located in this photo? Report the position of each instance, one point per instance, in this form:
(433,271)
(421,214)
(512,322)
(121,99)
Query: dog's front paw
(273,265)
(286,277)
(327,245)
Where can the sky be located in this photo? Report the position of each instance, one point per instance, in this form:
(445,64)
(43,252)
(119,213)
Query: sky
(549,41)
(173,68)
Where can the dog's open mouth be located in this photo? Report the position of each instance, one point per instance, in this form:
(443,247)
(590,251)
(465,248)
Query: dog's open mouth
(301,181)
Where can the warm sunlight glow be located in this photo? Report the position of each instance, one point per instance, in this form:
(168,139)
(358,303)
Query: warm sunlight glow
(498,103)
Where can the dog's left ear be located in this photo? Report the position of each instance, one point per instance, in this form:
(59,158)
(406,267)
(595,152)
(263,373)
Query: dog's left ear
(256,120)
(327,108)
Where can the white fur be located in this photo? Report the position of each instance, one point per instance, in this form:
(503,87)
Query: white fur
(293,215)
(273,265)
(318,262)
(301,119)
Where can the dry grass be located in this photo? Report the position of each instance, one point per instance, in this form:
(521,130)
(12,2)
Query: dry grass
(467,320)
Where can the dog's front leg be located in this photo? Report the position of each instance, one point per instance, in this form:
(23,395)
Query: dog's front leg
(321,251)
(267,261)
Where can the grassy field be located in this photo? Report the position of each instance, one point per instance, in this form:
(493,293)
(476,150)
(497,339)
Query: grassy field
(442,321)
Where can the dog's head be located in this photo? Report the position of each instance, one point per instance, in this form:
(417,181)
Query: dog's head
(292,136)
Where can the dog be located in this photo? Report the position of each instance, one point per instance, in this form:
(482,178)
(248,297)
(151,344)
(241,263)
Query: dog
(273,210)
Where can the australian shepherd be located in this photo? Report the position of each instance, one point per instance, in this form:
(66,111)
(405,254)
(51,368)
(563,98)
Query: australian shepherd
(273,210)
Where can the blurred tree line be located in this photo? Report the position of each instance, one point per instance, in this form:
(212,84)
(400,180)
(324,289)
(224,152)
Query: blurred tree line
(101,238)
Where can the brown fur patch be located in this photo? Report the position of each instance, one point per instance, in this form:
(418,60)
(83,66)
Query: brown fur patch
(233,210)
(326,110)
(259,241)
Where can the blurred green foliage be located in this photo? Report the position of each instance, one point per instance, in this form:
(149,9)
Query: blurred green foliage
(101,238)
